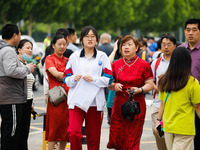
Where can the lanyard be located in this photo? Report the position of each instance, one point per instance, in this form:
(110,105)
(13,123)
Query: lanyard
(167,98)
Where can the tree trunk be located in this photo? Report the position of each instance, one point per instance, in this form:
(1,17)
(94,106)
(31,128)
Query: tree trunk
(65,24)
(4,16)
(119,32)
(30,25)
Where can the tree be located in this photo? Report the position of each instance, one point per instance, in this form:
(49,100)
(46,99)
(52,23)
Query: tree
(15,10)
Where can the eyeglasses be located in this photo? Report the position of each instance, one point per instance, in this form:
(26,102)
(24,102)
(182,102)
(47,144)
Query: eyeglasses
(166,44)
(90,37)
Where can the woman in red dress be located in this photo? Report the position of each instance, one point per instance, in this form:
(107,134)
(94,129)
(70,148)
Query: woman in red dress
(57,117)
(133,73)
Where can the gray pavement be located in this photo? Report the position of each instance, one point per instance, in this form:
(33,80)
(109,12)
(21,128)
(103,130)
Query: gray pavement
(147,140)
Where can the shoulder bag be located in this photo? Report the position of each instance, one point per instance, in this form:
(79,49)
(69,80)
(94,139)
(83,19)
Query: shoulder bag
(56,95)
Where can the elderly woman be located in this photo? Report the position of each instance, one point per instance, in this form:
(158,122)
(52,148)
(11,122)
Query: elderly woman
(135,74)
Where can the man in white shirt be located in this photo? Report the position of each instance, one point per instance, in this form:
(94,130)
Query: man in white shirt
(159,67)
(72,39)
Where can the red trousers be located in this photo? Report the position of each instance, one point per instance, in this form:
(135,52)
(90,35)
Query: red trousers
(93,122)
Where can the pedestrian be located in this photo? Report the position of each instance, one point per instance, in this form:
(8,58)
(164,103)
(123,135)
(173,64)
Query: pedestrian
(192,35)
(143,53)
(159,67)
(47,41)
(130,72)
(151,47)
(49,51)
(105,40)
(87,73)
(72,39)
(158,51)
(57,117)
(13,88)
(25,48)
(180,98)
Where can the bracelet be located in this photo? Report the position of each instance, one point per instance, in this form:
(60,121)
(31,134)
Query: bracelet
(142,90)
(114,86)
(159,119)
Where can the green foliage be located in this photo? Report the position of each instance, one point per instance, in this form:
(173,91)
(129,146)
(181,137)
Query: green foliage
(105,15)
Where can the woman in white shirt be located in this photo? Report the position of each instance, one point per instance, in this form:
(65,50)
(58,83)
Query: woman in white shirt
(25,48)
(87,73)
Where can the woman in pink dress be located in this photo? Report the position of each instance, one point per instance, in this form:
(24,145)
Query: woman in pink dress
(133,73)
(57,119)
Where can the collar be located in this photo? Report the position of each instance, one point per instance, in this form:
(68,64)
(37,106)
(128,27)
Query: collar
(196,47)
(54,55)
(83,53)
(131,60)
(163,59)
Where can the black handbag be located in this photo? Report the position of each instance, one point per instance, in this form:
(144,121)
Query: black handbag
(130,108)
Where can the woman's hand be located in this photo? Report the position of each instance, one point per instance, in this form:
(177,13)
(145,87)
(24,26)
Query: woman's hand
(115,46)
(77,77)
(156,88)
(32,66)
(112,55)
(118,87)
(87,78)
(136,90)
(157,124)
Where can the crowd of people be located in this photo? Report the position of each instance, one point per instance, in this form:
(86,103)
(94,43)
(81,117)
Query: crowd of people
(94,75)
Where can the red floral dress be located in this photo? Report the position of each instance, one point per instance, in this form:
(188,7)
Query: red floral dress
(123,133)
(57,117)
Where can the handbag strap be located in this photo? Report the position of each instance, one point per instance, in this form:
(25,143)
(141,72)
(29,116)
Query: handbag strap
(105,49)
(130,97)
(167,98)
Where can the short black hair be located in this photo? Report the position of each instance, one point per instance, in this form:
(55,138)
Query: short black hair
(63,31)
(8,30)
(57,37)
(158,44)
(144,43)
(170,37)
(22,42)
(85,32)
(193,21)
(150,38)
(71,31)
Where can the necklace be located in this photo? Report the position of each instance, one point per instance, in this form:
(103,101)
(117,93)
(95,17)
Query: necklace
(130,64)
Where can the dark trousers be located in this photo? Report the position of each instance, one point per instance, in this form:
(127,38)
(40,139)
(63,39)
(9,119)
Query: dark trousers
(197,137)
(26,125)
(11,126)
(106,90)
(109,114)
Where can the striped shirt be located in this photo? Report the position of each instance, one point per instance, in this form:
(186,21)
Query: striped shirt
(30,81)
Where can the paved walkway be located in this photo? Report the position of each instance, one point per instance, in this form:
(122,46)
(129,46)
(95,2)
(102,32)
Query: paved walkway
(147,140)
